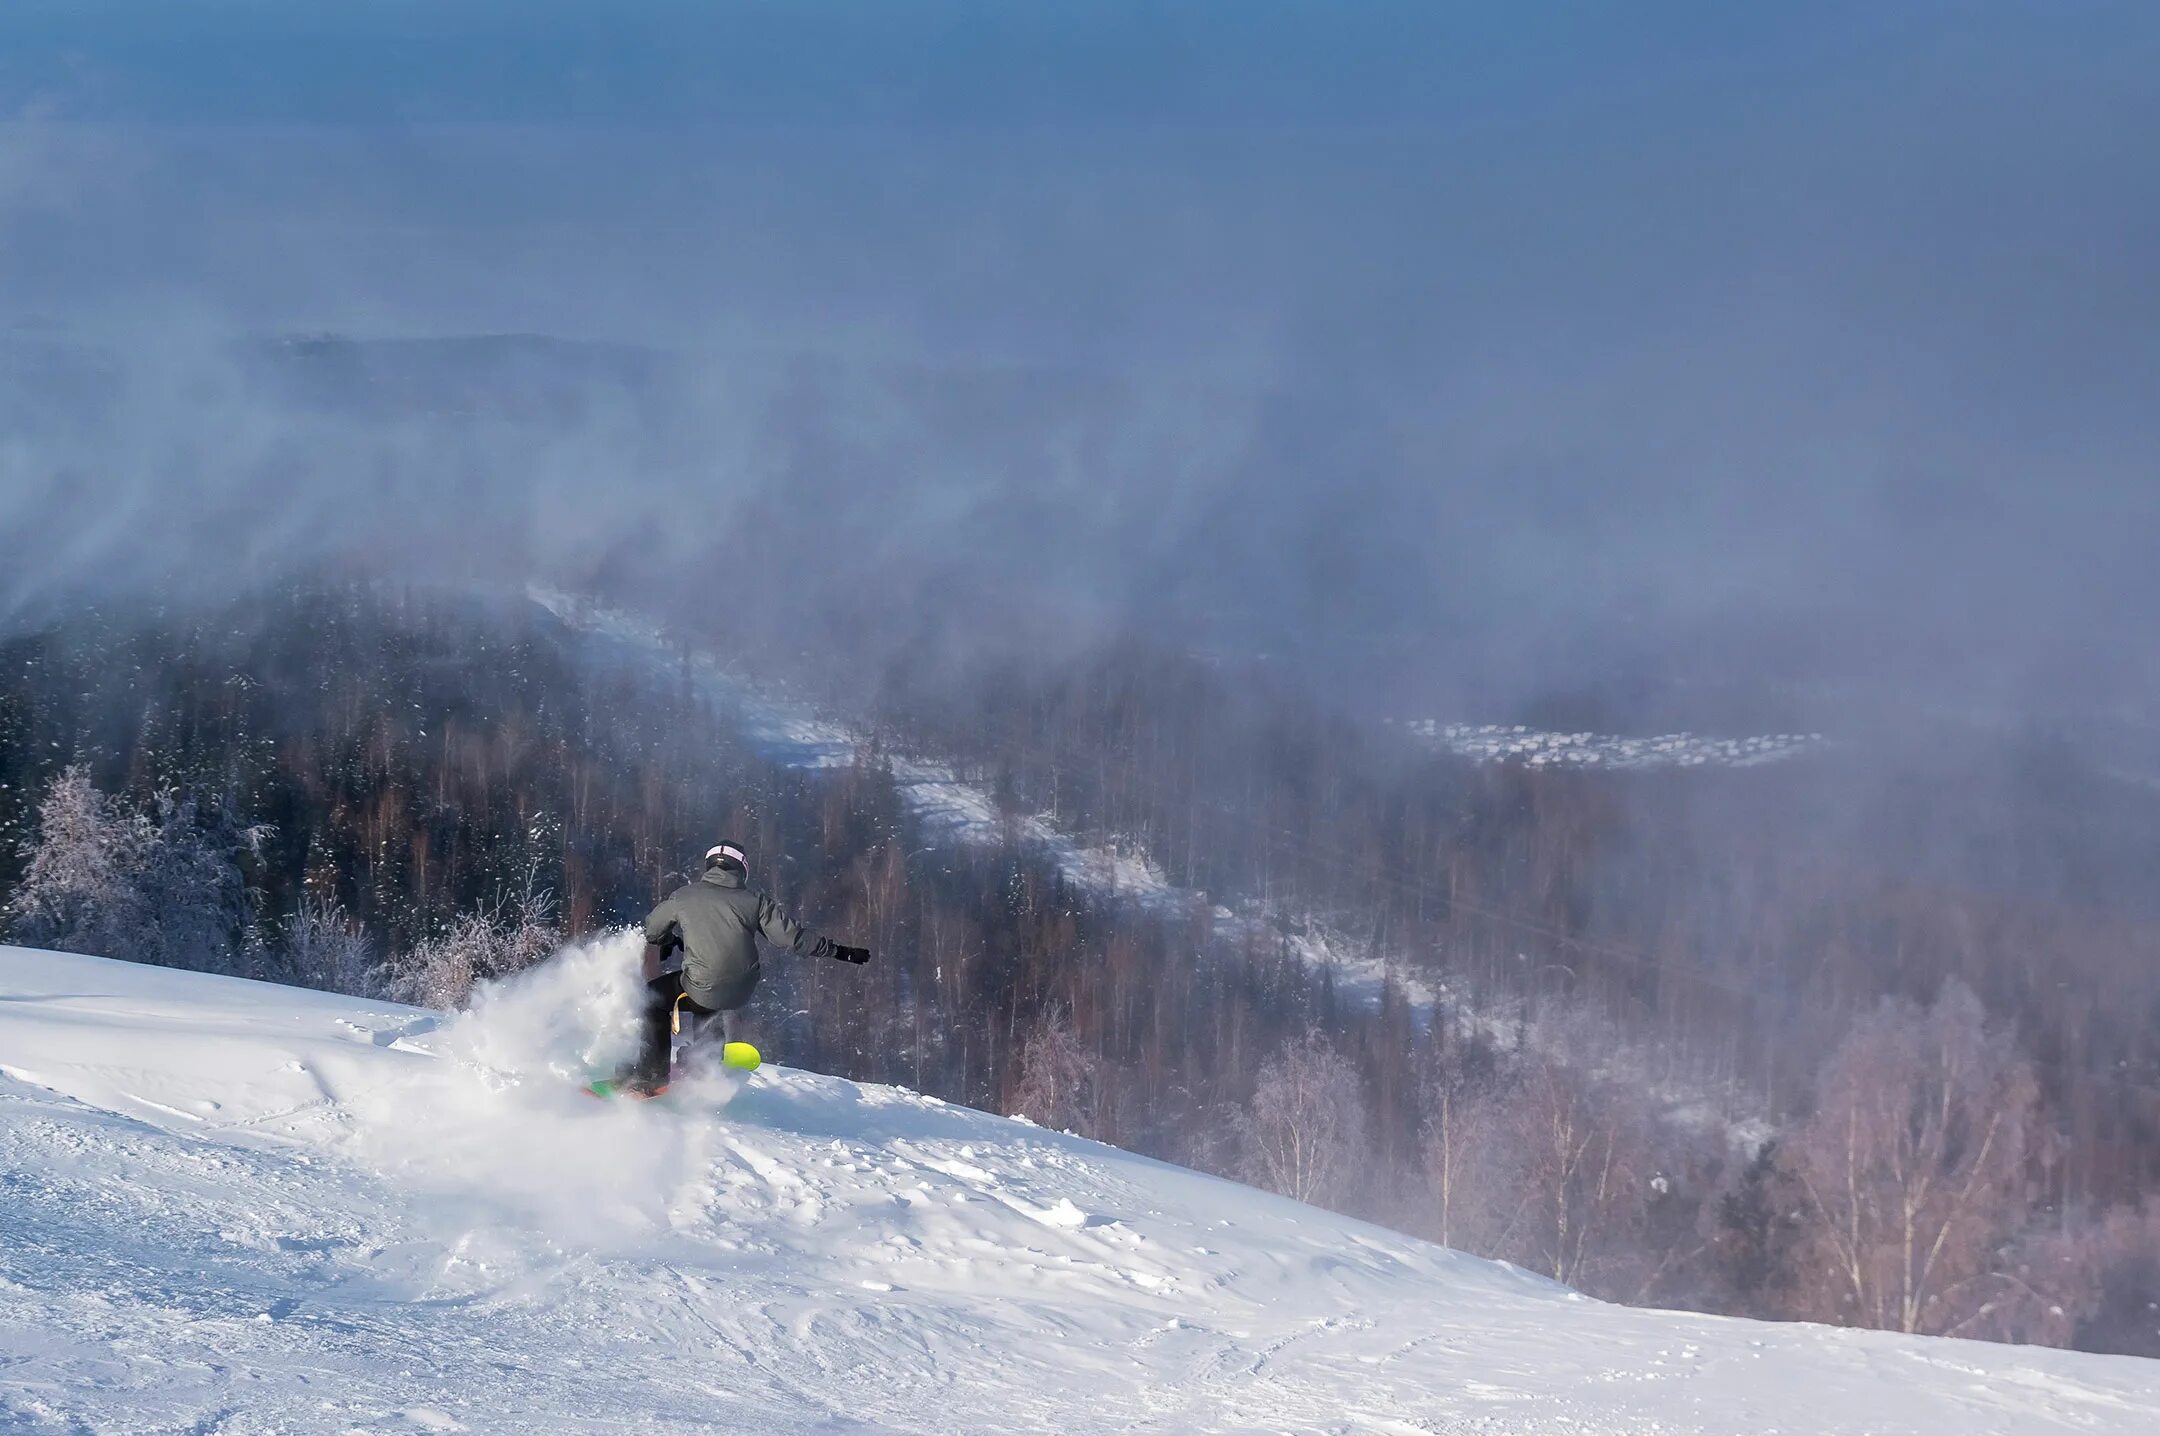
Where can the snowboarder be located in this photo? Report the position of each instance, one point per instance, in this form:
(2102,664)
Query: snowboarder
(715,922)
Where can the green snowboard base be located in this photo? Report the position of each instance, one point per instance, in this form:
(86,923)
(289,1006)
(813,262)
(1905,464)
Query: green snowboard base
(736,1056)
(610,1087)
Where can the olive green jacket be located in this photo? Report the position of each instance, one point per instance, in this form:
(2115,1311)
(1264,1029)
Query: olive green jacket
(717,920)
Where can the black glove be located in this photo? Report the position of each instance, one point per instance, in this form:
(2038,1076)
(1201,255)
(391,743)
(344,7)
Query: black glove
(856,955)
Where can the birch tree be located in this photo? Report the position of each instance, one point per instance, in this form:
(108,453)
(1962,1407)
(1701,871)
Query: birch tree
(1579,1170)
(1304,1132)
(1912,1166)
(1060,1083)
(1458,1135)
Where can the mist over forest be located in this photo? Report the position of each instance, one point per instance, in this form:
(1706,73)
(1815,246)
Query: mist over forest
(1169,440)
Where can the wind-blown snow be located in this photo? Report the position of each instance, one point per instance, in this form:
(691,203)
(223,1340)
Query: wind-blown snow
(241,1208)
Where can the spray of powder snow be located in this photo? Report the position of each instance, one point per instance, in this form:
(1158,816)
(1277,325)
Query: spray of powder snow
(501,1122)
(560,1020)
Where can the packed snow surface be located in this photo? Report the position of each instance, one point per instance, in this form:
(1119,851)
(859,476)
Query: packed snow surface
(237,1208)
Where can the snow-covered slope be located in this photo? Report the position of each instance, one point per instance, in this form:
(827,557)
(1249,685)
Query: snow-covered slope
(238,1208)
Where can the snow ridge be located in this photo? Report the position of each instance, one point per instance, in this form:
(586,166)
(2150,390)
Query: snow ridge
(242,1208)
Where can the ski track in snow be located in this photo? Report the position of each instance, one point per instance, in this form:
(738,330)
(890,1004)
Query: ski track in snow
(231,1207)
(959,813)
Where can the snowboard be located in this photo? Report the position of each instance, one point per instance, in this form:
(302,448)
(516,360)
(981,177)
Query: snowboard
(735,1057)
(609,1087)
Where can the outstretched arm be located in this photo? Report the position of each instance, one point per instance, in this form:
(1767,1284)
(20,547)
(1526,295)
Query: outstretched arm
(784,931)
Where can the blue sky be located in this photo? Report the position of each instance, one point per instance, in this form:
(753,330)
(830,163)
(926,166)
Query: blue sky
(1287,170)
(935,63)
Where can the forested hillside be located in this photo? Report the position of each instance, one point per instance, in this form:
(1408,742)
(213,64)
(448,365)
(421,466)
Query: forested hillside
(1716,1038)
(1733,921)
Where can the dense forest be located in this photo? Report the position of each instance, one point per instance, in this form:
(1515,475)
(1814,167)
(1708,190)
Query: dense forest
(1866,1047)
(1735,922)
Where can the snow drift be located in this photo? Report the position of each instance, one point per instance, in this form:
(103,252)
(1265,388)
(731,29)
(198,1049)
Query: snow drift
(235,1207)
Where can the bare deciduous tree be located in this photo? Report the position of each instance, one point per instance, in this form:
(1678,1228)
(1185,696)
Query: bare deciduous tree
(1059,1079)
(480,944)
(1304,1133)
(1912,1166)
(326,947)
(1577,1147)
(1459,1129)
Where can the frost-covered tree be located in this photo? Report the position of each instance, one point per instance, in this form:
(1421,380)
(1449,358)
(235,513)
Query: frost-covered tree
(1059,1080)
(1913,1166)
(326,947)
(1580,1161)
(107,879)
(479,944)
(1304,1132)
(82,892)
(199,908)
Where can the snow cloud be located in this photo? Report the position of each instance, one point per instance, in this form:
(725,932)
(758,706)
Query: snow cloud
(1449,357)
(502,1121)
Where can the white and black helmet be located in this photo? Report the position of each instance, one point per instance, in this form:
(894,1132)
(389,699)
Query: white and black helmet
(727,855)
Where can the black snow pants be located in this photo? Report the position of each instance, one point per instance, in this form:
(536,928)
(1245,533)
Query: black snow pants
(670,1012)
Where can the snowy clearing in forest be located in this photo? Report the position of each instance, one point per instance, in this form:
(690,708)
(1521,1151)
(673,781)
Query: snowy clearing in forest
(243,1208)
(1499,743)
(951,810)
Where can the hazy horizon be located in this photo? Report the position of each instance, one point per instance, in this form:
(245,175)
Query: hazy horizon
(1424,347)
